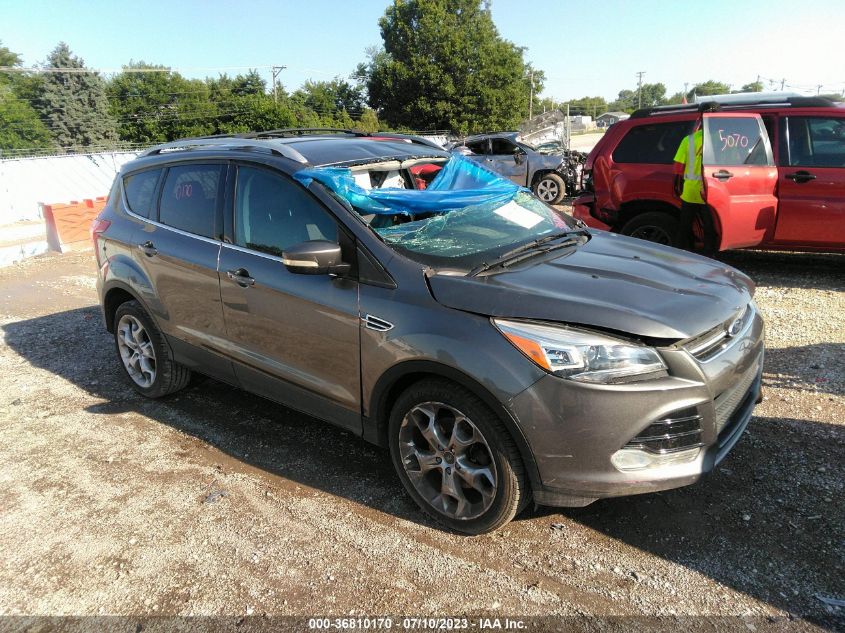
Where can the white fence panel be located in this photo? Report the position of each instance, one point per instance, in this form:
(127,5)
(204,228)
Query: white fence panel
(24,182)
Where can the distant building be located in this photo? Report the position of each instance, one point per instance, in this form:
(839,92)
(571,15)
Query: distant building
(609,118)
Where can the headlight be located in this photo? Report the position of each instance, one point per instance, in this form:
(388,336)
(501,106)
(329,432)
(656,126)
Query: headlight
(583,356)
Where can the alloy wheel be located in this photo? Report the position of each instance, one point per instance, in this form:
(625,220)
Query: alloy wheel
(547,190)
(448,460)
(136,351)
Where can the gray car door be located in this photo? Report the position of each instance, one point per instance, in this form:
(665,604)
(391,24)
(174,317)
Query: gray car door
(177,248)
(295,338)
(508,159)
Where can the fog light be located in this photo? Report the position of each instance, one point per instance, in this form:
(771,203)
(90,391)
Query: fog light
(629,459)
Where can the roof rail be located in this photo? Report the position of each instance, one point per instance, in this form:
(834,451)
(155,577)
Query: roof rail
(674,109)
(791,101)
(225,142)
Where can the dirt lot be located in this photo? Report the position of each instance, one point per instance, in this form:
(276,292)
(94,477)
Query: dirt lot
(216,502)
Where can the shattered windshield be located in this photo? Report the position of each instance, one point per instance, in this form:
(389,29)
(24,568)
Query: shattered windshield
(464,216)
(469,236)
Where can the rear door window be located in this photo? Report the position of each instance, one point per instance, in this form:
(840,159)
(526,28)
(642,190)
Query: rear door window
(816,141)
(736,141)
(654,143)
(140,191)
(189,198)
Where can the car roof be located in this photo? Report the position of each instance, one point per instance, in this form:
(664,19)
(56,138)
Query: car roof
(316,147)
(479,137)
(750,105)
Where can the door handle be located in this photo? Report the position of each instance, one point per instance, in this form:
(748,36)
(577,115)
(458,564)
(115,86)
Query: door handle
(148,248)
(241,277)
(722,175)
(801,176)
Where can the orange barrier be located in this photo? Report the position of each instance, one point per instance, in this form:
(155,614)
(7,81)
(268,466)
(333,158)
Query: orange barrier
(69,225)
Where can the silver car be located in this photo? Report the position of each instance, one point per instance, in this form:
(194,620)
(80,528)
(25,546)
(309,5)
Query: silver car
(548,176)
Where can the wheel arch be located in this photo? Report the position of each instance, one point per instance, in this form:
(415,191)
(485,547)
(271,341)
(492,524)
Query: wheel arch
(399,377)
(114,296)
(629,210)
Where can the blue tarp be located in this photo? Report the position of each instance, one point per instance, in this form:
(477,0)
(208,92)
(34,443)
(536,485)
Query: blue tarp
(461,183)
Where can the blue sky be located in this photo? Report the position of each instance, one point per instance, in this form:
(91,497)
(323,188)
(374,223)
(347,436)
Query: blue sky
(584,48)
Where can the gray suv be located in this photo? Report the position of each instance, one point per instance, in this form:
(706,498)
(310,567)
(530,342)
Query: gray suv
(501,352)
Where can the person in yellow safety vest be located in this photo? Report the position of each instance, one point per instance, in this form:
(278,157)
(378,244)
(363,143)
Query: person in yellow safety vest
(689,187)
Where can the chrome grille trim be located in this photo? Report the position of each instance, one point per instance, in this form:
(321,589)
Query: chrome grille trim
(713,343)
(659,437)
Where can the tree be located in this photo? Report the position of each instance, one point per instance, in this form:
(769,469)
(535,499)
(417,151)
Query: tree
(708,87)
(330,98)
(754,86)
(590,106)
(445,66)
(651,95)
(20,126)
(74,104)
(153,107)
(369,121)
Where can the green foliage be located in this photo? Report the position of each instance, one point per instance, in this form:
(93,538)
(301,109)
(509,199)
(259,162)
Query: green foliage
(330,97)
(20,126)
(590,106)
(73,104)
(754,86)
(369,121)
(708,87)
(445,66)
(629,100)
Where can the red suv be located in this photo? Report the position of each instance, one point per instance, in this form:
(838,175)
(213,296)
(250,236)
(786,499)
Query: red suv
(774,173)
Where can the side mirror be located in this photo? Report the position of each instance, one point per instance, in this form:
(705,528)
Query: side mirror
(518,156)
(315,257)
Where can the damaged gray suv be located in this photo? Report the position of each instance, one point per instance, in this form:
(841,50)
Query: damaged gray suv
(500,351)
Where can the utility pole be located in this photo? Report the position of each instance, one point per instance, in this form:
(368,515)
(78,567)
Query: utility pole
(640,88)
(758,83)
(531,99)
(275,72)
(819,89)
(782,84)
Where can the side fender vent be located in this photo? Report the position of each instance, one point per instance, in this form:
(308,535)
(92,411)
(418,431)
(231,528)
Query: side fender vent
(374,323)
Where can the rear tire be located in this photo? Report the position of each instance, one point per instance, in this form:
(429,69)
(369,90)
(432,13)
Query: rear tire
(653,226)
(550,188)
(144,355)
(455,457)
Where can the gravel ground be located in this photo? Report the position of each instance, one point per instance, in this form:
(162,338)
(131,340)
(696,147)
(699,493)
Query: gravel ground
(214,502)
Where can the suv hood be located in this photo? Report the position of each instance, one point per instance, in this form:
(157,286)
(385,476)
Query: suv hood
(611,282)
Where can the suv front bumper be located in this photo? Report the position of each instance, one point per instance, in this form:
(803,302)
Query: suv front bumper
(574,429)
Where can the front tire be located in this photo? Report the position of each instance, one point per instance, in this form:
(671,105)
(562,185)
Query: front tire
(653,226)
(550,188)
(144,355)
(455,457)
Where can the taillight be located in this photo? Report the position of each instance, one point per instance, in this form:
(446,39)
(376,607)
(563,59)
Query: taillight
(98,226)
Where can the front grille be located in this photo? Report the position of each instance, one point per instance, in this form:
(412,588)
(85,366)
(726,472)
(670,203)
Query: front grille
(707,346)
(679,431)
(728,401)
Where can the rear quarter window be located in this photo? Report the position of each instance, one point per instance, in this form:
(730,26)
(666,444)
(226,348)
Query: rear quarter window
(140,190)
(653,143)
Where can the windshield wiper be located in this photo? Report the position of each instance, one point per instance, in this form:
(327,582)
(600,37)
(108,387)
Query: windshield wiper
(530,250)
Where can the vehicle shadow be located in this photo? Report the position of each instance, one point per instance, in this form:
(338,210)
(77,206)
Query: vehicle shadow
(769,522)
(816,368)
(822,271)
